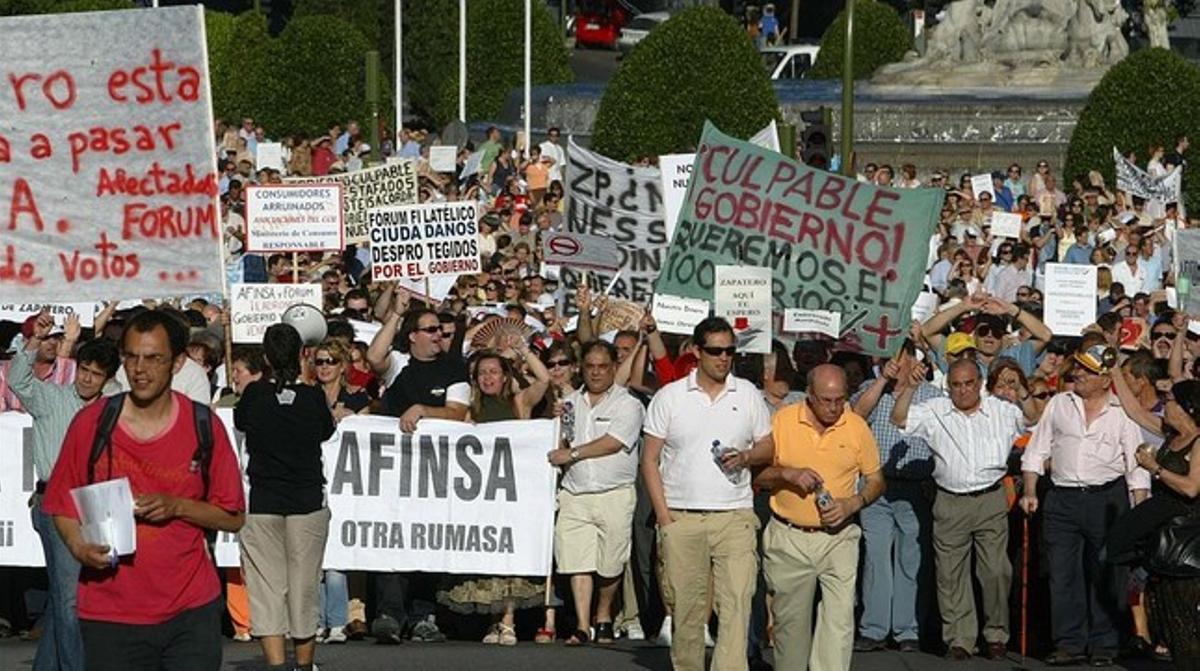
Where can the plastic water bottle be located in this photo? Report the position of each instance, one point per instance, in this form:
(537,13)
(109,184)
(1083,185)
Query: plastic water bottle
(824,499)
(568,422)
(718,454)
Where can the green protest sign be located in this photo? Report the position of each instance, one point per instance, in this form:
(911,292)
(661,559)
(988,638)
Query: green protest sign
(831,242)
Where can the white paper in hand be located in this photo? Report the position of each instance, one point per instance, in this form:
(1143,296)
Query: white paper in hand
(106,514)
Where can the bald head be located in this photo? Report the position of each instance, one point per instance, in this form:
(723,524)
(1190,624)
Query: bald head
(827,394)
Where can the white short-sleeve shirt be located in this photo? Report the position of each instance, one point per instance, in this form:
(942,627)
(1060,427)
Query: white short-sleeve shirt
(970,452)
(618,414)
(689,422)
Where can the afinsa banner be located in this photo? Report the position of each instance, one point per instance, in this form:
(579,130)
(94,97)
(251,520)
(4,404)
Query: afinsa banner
(451,498)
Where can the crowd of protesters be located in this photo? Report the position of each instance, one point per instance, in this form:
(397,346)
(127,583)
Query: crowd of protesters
(705,494)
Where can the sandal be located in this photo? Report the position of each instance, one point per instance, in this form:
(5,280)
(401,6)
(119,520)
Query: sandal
(508,635)
(580,637)
(493,635)
(544,635)
(604,633)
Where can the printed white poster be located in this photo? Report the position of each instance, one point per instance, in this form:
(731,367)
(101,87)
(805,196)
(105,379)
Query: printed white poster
(742,295)
(362,190)
(294,218)
(982,184)
(1070,298)
(678,315)
(443,157)
(798,320)
(580,250)
(19,312)
(269,155)
(419,241)
(255,307)
(1006,225)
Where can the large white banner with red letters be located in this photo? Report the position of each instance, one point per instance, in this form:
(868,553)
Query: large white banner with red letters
(108,183)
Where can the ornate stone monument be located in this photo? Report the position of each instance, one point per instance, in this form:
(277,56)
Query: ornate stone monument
(1048,44)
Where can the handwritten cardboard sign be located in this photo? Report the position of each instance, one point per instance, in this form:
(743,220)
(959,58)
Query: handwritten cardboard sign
(108,184)
(254,307)
(831,243)
(362,190)
(1006,225)
(443,157)
(294,218)
(673,314)
(799,320)
(419,241)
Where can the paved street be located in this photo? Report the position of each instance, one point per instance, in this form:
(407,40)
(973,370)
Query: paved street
(457,656)
(594,66)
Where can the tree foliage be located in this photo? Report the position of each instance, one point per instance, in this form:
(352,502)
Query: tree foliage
(1149,98)
(698,65)
(880,37)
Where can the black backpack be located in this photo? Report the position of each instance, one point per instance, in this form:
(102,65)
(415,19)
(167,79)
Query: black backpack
(201,458)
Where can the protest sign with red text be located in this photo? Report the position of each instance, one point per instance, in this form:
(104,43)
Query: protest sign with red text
(108,183)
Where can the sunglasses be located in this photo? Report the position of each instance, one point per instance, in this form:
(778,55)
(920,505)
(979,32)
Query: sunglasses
(560,363)
(1158,335)
(718,351)
(431,330)
(1042,395)
(325,362)
(985,330)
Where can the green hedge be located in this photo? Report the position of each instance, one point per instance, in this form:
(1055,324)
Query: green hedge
(1150,97)
(880,37)
(698,65)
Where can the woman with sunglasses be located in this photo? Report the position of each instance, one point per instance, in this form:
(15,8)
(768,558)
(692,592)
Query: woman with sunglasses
(560,363)
(497,396)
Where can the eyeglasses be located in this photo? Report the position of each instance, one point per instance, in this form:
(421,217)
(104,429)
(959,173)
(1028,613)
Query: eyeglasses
(325,362)
(431,330)
(559,363)
(718,351)
(149,360)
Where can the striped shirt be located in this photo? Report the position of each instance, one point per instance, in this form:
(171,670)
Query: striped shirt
(51,405)
(62,372)
(903,457)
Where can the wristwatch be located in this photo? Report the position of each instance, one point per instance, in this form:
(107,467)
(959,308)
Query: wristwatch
(574,454)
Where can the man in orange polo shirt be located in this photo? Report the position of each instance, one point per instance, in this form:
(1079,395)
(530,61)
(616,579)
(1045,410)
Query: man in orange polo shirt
(821,451)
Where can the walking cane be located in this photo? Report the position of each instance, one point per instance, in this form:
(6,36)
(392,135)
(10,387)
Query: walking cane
(1025,587)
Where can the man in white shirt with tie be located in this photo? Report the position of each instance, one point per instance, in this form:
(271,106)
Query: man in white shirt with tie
(971,438)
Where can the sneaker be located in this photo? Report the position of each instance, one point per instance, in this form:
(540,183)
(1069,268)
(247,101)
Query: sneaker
(242,637)
(386,629)
(633,632)
(664,634)
(336,635)
(708,639)
(319,638)
(868,644)
(426,631)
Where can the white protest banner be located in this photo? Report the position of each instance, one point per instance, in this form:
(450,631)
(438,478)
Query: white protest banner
(269,155)
(982,184)
(19,312)
(443,157)
(676,175)
(451,497)
(673,314)
(742,295)
(391,184)
(1138,182)
(799,320)
(108,185)
(294,218)
(419,241)
(625,203)
(1006,225)
(20,544)
(580,250)
(254,307)
(1070,298)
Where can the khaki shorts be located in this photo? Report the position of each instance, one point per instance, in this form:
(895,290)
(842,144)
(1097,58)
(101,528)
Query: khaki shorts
(594,532)
(281,557)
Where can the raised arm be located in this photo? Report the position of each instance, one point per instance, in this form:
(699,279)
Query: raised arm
(380,350)
(1129,402)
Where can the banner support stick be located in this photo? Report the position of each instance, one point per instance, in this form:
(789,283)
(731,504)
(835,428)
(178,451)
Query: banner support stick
(295,268)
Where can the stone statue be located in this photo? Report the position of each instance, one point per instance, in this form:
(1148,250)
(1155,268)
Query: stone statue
(1027,43)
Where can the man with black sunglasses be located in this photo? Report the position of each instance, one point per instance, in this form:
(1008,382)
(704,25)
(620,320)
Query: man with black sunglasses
(702,432)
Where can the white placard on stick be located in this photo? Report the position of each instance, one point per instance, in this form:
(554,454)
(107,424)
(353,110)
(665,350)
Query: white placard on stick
(294,218)
(678,315)
(742,295)
(798,320)
(254,307)
(1006,225)
(442,158)
(269,155)
(982,184)
(19,312)
(676,175)
(1070,298)
(108,177)
(429,240)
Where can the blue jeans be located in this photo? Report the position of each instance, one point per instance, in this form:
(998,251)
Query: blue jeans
(61,644)
(335,600)
(894,529)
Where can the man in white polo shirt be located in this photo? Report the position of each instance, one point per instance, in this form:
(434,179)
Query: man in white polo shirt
(594,530)
(702,432)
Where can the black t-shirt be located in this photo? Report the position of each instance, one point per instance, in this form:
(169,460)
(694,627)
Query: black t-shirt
(424,383)
(353,402)
(284,433)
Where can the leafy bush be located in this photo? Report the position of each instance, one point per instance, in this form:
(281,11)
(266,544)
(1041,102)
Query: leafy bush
(1149,98)
(698,65)
(241,55)
(316,76)
(880,37)
(72,6)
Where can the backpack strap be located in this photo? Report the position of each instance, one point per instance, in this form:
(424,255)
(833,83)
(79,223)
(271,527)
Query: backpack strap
(202,458)
(100,442)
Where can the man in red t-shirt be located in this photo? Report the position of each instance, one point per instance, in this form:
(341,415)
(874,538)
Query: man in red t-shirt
(159,607)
